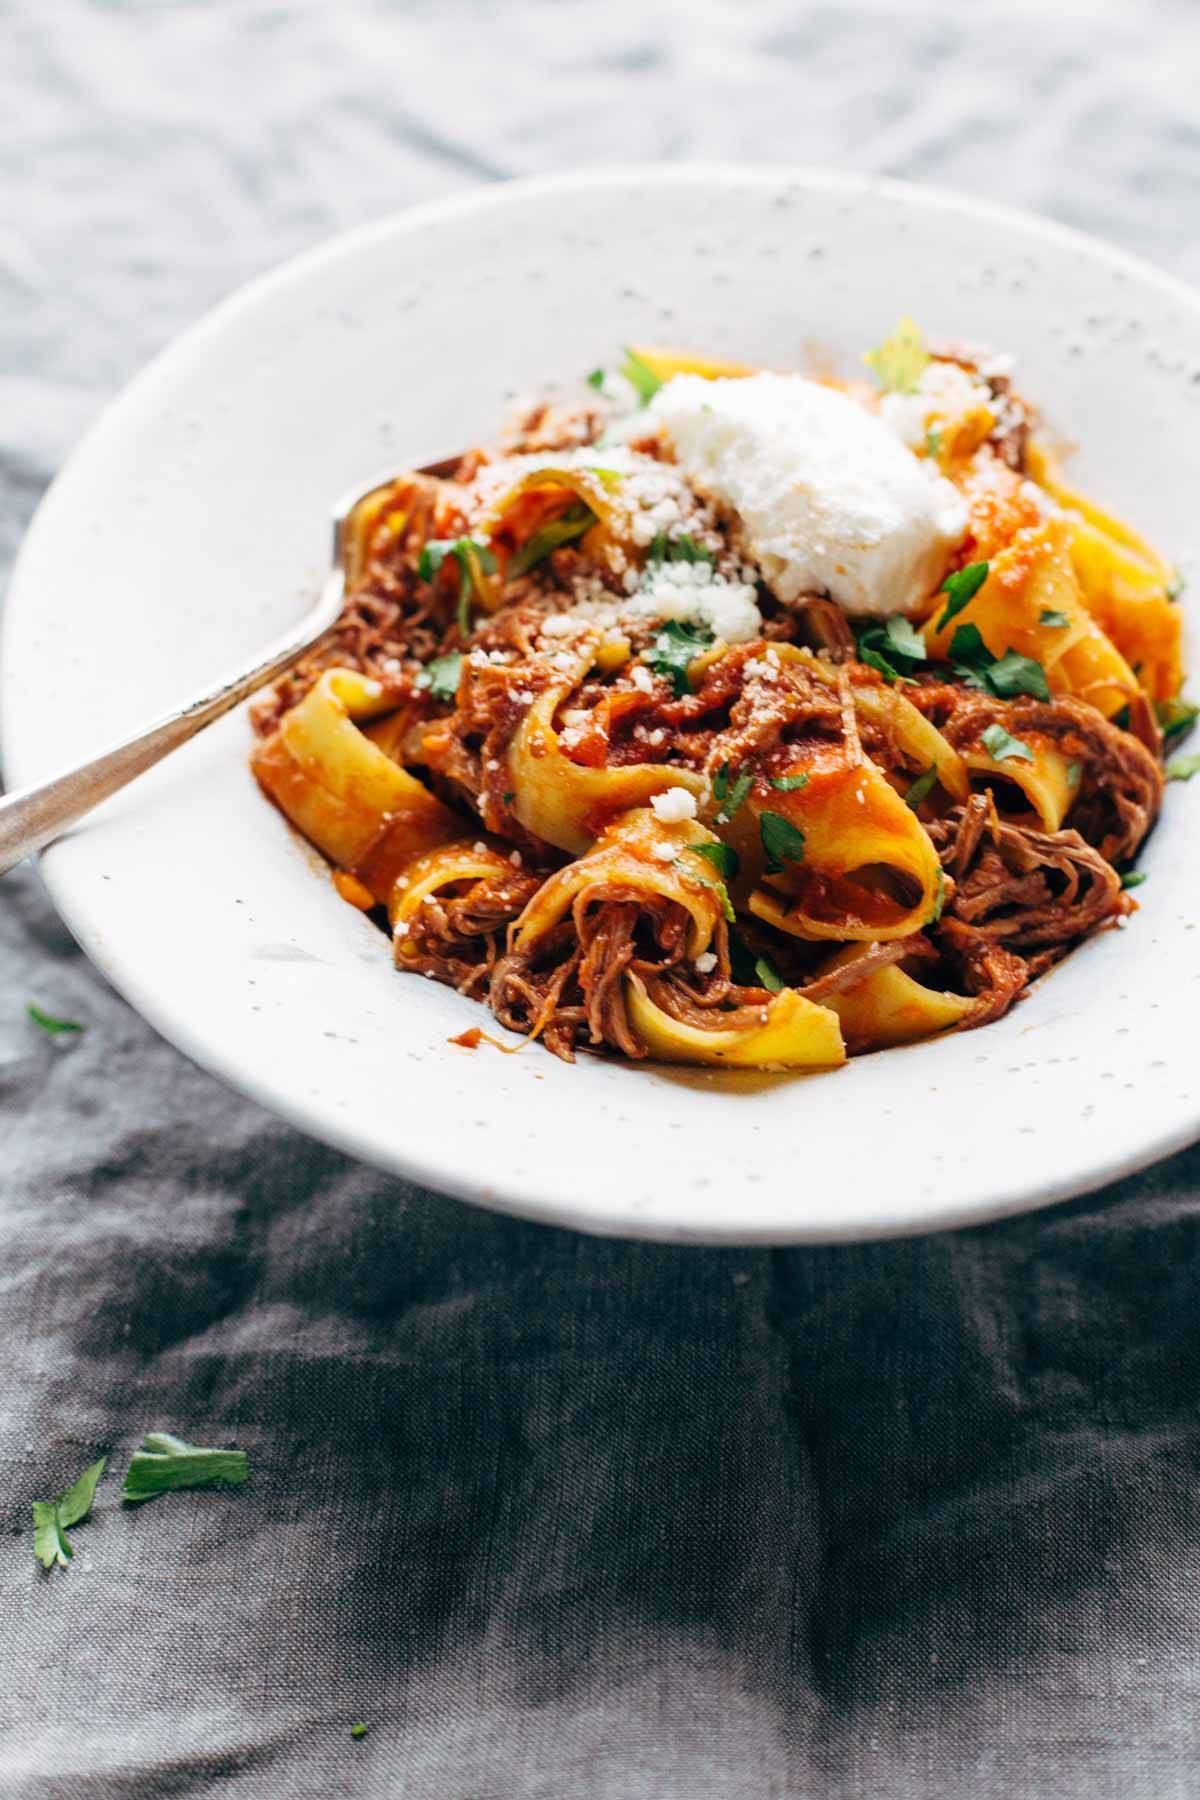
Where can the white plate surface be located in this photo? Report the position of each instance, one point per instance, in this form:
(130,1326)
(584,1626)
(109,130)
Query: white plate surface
(191,525)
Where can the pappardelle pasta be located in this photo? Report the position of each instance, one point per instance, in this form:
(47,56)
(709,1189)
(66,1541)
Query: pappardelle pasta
(731,717)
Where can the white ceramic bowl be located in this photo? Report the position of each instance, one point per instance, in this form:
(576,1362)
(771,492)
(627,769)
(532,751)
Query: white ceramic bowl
(191,525)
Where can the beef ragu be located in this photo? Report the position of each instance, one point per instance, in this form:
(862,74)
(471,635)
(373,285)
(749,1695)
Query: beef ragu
(738,718)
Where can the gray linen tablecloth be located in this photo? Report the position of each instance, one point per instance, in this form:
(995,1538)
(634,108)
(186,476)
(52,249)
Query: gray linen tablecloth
(555,1517)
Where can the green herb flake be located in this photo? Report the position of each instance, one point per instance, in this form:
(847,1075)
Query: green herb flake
(900,360)
(48,1023)
(165,1463)
(1074,772)
(903,640)
(1176,718)
(962,588)
(940,899)
(782,841)
(509,797)
(1175,585)
(51,1518)
(922,787)
(474,561)
(596,379)
(789,784)
(723,857)
(675,649)
(768,975)
(441,676)
(1182,768)
(360,1730)
(681,549)
(729,790)
(563,530)
(708,881)
(1001,746)
(1133,878)
(1056,621)
(933,442)
(640,376)
(1013,674)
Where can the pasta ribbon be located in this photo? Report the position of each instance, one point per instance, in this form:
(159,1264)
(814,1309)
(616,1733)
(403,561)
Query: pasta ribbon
(466,859)
(666,363)
(890,1007)
(627,857)
(867,868)
(368,815)
(532,505)
(563,802)
(1125,584)
(792,1033)
(1031,603)
(1046,782)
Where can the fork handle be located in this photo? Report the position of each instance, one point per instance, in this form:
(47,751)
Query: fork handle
(34,816)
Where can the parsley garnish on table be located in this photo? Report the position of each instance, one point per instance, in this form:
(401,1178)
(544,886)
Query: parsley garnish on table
(165,1463)
(48,1023)
(51,1518)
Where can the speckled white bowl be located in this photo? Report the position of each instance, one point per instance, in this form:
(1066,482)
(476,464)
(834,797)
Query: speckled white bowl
(191,525)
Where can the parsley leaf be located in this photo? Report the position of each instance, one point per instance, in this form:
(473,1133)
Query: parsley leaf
(1055,620)
(789,784)
(892,649)
(360,1730)
(596,379)
(723,857)
(562,530)
(962,588)
(48,1023)
(768,975)
(1182,768)
(473,559)
(933,441)
(1133,878)
(922,787)
(640,376)
(165,1462)
(441,675)
(969,655)
(900,360)
(782,841)
(730,790)
(708,881)
(52,1517)
(902,640)
(1176,717)
(1001,746)
(1014,674)
(676,647)
(681,549)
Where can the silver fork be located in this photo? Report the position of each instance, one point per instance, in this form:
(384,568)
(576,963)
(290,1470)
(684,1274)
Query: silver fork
(35,816)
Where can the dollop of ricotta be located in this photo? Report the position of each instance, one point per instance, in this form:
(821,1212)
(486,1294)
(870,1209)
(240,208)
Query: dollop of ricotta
(829,499)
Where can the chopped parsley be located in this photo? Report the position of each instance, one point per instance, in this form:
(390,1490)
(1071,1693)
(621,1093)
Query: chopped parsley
(900,360)
(789,784)
(1175,585)
(596,379)
(563,530)
(708,881)
(893,650)
(1176,718)
(940,899)
(1001,746)
(723,858)
(1074,771)
(51,1518)
(962,588)
(768,975)
(782,841)
(48,1023)
(933,441)
(640,376)
(1004,676)
(681,549)
(474,561)
(1182,768)
(360,1730)
(1133,878)
(675,649)
(165,1462)
(441,676)
(730,788)
(922,787)
(1053,619)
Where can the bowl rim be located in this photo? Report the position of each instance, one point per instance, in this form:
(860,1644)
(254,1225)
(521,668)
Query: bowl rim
(420,1165)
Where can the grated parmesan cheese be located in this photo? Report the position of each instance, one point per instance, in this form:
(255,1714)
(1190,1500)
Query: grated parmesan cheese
(674,806)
